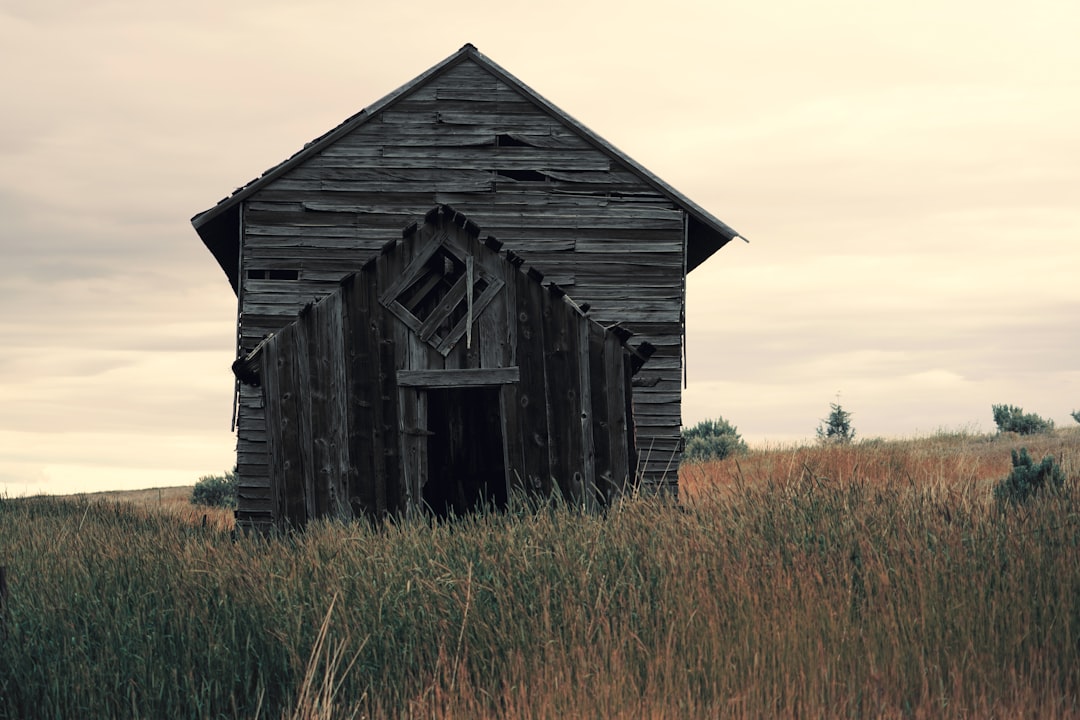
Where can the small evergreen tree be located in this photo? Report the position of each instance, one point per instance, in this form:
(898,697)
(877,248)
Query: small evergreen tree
(1076,415)
(1010,418)
(1028,479)
(837,427)
(711,440)
(216,490)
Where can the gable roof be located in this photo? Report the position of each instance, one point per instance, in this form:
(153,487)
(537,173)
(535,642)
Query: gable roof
(219,226)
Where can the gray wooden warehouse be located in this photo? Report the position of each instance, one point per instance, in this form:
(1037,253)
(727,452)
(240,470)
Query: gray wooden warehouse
(467,134)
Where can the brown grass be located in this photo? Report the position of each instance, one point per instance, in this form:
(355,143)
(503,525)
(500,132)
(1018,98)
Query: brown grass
(943,461)
(172,501)
(879,579)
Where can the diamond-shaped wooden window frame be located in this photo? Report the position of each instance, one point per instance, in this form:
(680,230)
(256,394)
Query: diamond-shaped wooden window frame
(430,293)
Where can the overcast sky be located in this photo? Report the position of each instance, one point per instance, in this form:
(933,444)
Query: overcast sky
(908,175)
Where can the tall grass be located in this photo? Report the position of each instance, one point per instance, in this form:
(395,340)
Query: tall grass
(873,580)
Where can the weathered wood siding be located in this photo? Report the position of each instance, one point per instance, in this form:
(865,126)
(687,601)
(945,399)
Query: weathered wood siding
(468,139)
(345,387)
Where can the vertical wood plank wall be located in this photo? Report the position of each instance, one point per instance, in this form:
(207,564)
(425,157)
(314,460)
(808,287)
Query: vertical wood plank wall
(563,414)
(468,139)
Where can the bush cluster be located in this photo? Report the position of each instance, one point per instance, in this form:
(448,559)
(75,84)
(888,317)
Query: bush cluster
(711,440)
(216,490)
(1010,418)
(1028,479)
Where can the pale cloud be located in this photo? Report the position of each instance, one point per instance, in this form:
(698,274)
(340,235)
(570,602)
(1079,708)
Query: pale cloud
(93,460)
(158,393)
(905,173)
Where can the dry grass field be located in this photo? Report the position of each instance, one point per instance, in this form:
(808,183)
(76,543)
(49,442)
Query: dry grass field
(879,579)
(172,501)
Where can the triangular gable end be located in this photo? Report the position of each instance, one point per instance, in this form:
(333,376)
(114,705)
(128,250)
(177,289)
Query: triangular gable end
(219,226)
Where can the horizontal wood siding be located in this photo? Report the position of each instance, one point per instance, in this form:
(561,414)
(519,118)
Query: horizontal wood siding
(468,139)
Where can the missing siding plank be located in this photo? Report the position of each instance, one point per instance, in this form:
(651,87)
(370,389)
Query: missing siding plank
(522,175)
(508,140)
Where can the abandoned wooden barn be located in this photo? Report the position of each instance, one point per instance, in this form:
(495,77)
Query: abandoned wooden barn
(468,134)
(442,375)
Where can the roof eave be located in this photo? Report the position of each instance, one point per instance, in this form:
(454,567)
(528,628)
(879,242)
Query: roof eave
(327,138)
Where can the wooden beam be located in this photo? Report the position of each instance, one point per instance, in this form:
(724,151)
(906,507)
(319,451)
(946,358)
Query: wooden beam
(477,377)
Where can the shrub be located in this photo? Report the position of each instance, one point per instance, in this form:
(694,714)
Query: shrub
(216,490)
(711,440)
(1028,479)
(1076,415)
(1009,418)
(837,427)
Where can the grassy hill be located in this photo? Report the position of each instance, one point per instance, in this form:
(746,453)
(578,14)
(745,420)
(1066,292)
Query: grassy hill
(879,579)
(172,501)
(178,495)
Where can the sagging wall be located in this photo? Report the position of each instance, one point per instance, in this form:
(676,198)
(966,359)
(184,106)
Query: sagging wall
(363,391)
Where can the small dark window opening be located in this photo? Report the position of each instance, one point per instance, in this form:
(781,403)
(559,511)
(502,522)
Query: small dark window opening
(465,456)
(523,175)
(273,274)
(432,284)
(441,273)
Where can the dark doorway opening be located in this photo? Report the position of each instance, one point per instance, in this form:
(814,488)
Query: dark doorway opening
(466,468)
